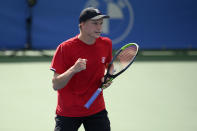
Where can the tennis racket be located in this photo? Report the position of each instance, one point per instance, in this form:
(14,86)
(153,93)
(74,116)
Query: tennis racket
(120,62)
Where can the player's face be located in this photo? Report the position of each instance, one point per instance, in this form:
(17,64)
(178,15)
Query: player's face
(93,28)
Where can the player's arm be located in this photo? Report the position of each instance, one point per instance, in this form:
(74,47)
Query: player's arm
(60,80)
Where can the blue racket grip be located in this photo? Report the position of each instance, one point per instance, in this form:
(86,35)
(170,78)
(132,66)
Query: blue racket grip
(91,100)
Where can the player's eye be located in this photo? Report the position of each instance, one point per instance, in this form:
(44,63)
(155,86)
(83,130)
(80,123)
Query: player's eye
(97,23)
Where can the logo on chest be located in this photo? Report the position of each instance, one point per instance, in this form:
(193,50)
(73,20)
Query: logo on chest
(103,59)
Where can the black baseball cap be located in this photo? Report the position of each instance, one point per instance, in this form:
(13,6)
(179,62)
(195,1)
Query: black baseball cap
(91,13)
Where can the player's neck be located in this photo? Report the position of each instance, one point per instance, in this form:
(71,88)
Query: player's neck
(86,39)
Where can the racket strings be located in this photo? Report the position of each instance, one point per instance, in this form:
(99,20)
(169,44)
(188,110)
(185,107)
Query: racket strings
(124,58)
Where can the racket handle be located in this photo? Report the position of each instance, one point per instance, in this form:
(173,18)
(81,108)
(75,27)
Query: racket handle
(94,96)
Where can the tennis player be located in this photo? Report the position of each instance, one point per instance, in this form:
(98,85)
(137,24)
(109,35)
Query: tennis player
(79,65)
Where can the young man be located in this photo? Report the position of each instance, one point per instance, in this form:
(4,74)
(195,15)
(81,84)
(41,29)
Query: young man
(79,65)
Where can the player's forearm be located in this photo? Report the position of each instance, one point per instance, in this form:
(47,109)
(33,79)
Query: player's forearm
(60,81)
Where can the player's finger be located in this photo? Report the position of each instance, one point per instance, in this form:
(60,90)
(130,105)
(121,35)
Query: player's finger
(84,61)
(106,85)
(102,79)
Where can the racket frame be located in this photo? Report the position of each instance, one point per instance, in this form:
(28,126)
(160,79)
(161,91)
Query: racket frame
(108,75)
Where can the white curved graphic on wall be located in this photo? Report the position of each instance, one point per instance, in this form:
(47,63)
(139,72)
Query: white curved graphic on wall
(118,10)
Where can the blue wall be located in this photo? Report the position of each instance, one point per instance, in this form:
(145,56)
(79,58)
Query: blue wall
(163,24)
(12,24)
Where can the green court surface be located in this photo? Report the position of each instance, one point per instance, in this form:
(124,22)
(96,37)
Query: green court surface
(150,96)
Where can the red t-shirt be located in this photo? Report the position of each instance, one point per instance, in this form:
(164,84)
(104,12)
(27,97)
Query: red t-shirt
(76,93)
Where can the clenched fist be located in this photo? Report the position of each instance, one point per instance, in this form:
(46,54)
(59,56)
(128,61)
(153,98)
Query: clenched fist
(79,65)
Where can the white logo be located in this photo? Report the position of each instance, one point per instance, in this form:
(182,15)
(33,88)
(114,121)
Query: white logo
(121,19)
(103,59)
(97,11)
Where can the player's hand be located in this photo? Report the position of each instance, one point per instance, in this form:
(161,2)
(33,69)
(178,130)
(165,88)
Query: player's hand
(107,84)
(79,65)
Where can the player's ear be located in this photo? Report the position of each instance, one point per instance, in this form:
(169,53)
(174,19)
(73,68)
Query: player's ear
(82,23)
(79,25)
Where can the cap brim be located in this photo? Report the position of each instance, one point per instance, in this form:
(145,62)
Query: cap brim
(100,17)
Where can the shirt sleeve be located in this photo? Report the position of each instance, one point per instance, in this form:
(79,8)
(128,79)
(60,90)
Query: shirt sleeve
(110,52)
(58,64)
